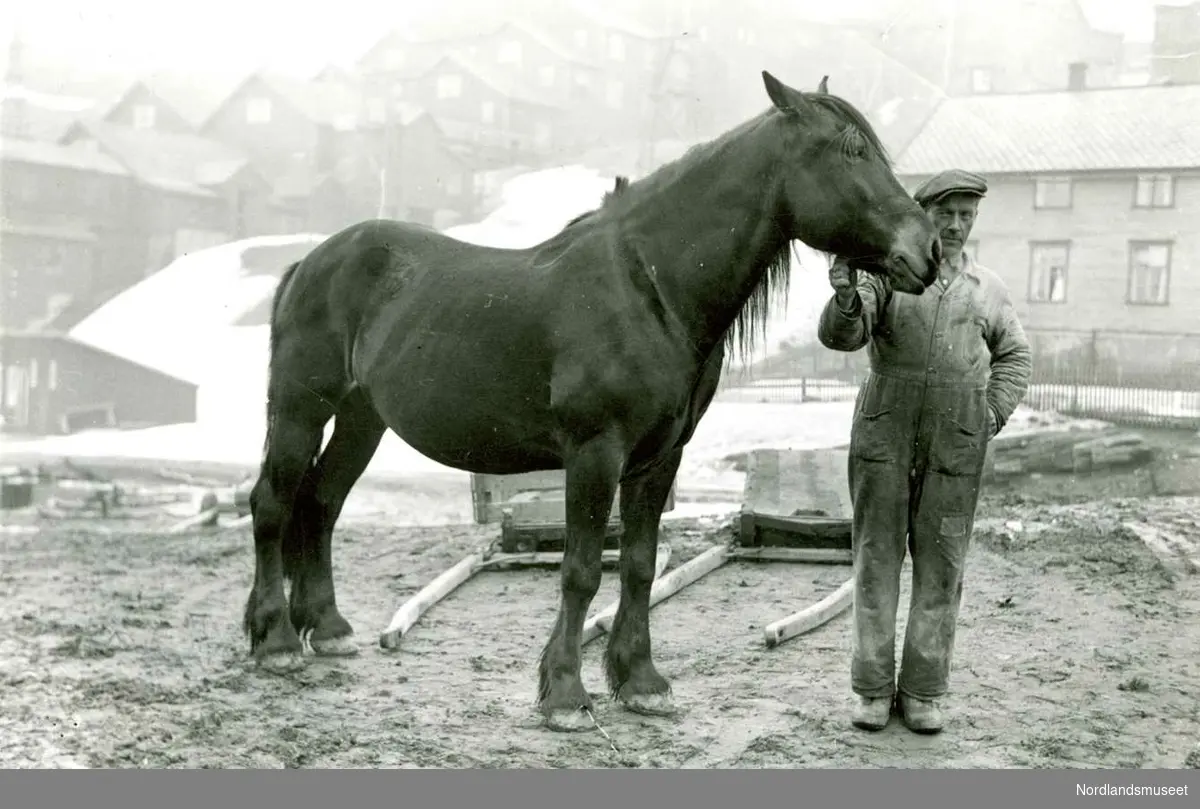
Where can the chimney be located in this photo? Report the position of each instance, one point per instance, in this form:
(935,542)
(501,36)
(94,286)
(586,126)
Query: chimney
(1077,76)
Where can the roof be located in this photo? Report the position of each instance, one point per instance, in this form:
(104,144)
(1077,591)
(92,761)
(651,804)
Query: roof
(194,98)
(30,113)
(21,119)
(44,153)
(1090,130)
(331,102)
(172,161)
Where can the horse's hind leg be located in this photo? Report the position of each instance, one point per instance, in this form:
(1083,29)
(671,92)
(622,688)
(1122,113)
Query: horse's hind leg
(293,438)
(357,430)
(628,666)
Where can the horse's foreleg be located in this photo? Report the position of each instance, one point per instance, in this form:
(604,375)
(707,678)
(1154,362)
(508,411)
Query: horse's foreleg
(628,665)
(291,444)
(592,472)
(357,431)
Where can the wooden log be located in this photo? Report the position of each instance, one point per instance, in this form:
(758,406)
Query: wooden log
(810,617)
(601,623)
(205,519)
(411,611)
(245,520)
(826,556)
(540,559)
(666,586)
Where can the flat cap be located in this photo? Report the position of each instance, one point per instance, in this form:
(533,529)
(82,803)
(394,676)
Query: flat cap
(954,181)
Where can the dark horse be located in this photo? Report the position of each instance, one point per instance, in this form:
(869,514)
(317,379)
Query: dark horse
(597,351)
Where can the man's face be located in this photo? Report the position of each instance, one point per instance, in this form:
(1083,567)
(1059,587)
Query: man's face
(954,216)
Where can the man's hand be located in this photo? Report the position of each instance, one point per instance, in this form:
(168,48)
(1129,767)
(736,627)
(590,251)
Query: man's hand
(844,280)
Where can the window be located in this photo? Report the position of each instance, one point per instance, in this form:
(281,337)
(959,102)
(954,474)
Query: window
(449,86)
(454,185)
(1052,192)
(541,135)
(1154,191)
(258,111)
(616,48)
(487,112)
(1048,272)
(1149,273)
(546,75)
(614,93)
(981,80)
(510,53)
(143,116)
(376,110)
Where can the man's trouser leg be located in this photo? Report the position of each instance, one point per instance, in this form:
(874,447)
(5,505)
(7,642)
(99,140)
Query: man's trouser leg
(944,515)
(879,462)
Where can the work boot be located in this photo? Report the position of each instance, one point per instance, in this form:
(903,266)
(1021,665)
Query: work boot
(872,713)
(919,715)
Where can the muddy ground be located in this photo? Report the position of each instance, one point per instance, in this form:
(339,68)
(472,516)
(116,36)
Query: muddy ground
(121,647)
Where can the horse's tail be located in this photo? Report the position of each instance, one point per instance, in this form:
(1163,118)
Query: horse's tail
(284,279)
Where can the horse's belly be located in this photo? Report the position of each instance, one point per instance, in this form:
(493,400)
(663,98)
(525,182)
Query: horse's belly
(467,416)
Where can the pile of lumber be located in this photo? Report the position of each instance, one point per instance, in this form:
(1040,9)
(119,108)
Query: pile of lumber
(1065,451)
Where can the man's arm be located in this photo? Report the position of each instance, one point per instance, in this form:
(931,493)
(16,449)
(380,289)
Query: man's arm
(1012,361)
(851,329)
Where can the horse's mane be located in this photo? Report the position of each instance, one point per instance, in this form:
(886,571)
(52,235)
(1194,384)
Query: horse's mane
(750,326)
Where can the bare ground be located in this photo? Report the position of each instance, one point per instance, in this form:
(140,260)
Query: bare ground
(121,647)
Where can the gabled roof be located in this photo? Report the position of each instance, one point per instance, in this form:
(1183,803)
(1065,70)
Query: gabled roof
(328,102)
(176,162)
(193,98)
(45,153)
(1089,130)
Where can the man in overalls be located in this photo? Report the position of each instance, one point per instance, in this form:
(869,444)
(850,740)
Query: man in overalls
(947,370)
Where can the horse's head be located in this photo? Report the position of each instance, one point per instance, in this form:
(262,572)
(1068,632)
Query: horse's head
(840,194)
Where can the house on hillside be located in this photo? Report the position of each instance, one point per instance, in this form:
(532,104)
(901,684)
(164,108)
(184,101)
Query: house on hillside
(1175,51)
(422,177)
(192,192)
(494,118)
(1090,218)
(62,216)
(165,102)
(970,47)
(579,76)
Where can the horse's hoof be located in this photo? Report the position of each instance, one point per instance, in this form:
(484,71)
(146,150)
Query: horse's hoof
(569,721)
(649,704)
(281,662)
(335,647)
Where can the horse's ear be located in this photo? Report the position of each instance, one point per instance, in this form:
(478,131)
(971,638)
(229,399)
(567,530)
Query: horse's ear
(783,97)
(823,87)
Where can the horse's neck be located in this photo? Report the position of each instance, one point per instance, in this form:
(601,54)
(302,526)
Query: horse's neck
(711,236)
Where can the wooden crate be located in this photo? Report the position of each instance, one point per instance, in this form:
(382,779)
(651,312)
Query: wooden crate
(796,499)
(533,497)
